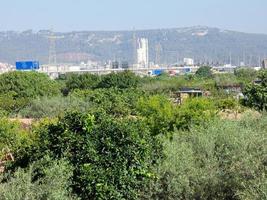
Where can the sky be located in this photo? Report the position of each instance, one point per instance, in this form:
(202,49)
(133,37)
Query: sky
(76,15)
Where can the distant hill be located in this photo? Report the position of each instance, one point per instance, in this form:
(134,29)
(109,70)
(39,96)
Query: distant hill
(201,43)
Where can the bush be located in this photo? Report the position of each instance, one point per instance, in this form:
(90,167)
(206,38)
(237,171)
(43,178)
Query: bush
(81,81)
(53,106)
(112,157)
(256,94)
(54,184)
(204,72)
(18,88)
(222,160)
(159,113)
(113,101)
(12,138)
(123,80)
(195,111)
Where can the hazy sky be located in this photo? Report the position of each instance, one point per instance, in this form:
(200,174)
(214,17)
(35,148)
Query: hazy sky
(68,15)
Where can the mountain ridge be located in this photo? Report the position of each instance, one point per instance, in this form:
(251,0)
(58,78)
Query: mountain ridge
(203,43)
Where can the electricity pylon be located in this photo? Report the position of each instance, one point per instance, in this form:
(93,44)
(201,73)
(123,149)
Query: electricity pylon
(52,48)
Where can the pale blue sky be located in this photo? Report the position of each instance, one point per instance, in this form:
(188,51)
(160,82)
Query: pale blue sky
(68,15)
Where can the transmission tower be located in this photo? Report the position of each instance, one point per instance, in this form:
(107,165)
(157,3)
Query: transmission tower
(158,49)
(52,48)
(134,47)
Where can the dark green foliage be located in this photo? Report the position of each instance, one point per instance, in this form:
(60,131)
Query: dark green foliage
(54,184)
(81,81)
(222,160)
(256,94)
(204,72)
(18,88)
(27,84)
(112,101)
(112,157)
(123,80)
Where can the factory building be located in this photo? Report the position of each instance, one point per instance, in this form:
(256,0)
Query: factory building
(142,53)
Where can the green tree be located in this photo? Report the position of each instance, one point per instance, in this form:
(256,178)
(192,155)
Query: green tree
(204,72)
(158,112)
(81,81)
(256,94)
(112,157)
(18,88)
(123,80)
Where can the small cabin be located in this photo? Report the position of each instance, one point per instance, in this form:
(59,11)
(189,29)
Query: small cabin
(185,93)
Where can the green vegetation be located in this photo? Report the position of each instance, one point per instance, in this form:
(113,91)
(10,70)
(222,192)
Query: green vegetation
(204,72)
(120,136)
(257,93)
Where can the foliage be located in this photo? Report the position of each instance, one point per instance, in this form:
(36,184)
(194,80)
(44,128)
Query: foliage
(27,84)
(195,111)
(12,138)
(222,160)
(112,101)
(53,106)
(54,184)
(18,88)
(246,74)
(81,81)
(123,80)
(112,157)
(159,113)
(256,94)
(204,72)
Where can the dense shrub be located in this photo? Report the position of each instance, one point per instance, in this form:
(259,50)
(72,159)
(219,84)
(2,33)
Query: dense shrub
(159,113)
(53,106)
(12,138)
(256,94)
(112,157)
(112,101)
(222,160)
(17,89)
(81,81)
(204,72)
(246,74)
(195,111)
(27,84)
(54,184)
(123,80)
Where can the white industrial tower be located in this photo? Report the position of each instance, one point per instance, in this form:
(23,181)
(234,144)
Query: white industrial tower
(142,53)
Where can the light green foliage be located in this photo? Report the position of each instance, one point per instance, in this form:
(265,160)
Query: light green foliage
(53,185)
(256,94)
(12,137)
(246,75)
(195,111)
(223,160)
(159,113)
(53,106)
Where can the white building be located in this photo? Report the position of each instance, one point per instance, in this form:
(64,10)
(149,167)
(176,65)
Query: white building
(142,53)
(188,61)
